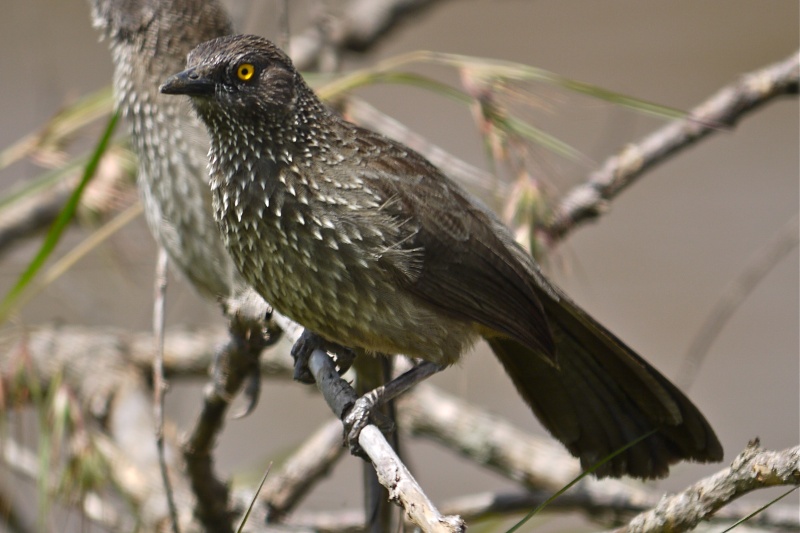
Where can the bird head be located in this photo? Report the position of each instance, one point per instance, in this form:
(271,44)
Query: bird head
(239,76)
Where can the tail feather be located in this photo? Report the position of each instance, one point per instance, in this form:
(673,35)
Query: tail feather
(601,396)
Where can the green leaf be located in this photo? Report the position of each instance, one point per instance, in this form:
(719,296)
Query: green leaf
(60,224)
(363,78)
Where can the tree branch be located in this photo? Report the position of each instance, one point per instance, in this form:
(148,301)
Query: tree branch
(105,368)
(234,364)
(725,108)
(159,383)
(604,509)
(392,473)
(362,24)
(284,489)
(752,469)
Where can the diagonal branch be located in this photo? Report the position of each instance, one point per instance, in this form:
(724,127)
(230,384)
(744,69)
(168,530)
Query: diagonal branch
(392,473)
(284,489)
(725,108)
(752,469)
(363,23)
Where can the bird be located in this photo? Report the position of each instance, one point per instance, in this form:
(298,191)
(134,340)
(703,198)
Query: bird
(149,39)
(369,246)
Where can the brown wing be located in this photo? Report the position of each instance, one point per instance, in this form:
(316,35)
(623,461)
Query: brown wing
(467,271)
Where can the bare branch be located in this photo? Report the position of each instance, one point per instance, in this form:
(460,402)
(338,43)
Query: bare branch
(752,469)
(604,509)
(495,443)
(762,262)
(725,108)
(284,489)
(234,365)
(362,25)
(392,474)
(159,384)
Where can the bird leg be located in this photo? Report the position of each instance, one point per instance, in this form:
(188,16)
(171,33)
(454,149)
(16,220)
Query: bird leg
(305,346)
(240,356)
(359,415)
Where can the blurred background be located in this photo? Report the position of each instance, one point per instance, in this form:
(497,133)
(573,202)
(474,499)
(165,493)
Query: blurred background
(650,270)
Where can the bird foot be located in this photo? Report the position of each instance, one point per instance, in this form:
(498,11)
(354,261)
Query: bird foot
(305,346)
(362,414)
(237,363)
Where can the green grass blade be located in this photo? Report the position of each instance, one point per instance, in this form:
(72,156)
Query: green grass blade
(751,515)
(361,78)
(253,501)
(60,224)
(532,133)
(492,68)
(569,485)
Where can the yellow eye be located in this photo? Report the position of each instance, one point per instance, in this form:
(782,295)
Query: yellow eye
(245,71)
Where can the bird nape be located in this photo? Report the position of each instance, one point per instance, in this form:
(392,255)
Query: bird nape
(368,245)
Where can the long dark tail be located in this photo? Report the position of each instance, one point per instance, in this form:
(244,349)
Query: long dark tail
(602,396)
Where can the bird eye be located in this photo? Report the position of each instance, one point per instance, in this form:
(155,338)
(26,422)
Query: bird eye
(245,71)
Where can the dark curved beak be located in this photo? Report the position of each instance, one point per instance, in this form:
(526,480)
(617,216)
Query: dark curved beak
(188,82)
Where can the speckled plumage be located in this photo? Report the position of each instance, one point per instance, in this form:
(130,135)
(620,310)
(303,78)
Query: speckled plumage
(149,39)
(366,244)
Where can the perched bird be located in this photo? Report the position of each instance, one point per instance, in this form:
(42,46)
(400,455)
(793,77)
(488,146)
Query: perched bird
(368,245)
(149,39)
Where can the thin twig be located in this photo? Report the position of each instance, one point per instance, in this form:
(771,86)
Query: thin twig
(761,264)
(159,383)
(285,29)
(725,108)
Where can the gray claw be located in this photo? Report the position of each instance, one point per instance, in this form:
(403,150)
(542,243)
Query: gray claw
(251,393)
(358,418)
